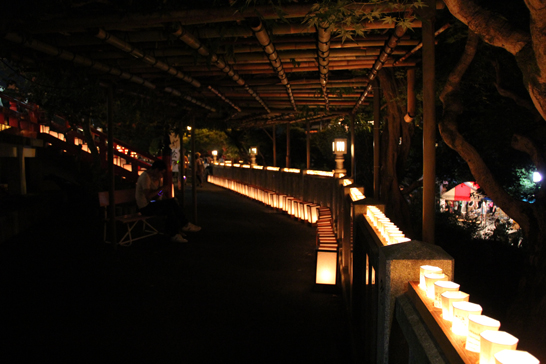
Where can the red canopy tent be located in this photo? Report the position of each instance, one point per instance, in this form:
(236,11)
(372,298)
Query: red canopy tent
(466,191)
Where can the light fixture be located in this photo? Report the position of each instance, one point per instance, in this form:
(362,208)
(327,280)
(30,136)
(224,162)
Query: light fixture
(476,325)
(214,155)
(253,151)
(430,279)
(448,298)
(339,147)
(441,287)
(492,342)
(326,266)
(461,311)
(537,177)
(427,269)
(515,357)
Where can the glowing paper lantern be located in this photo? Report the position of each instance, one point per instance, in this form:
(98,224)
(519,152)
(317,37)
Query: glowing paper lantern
(515,357)
(427,269)
(447,302)
(476,325)
(461,311)
(429,282)
(492,342)
(441,287)
(326,267)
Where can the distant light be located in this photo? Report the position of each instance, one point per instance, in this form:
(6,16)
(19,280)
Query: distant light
(537,177)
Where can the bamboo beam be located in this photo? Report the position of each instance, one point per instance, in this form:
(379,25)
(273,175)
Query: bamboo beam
(193,42)
(323,51)
(269,48)
(86,62)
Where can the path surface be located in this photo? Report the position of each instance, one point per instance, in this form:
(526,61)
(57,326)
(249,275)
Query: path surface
(240,291)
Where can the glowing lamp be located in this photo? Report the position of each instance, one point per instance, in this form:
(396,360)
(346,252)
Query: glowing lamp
(427,269)
(492,342)
(448,298)
(461,311)
(537,177)
(339,146)
(441,287)
(430,279)
(515,357)
(253,151)
(326,267)
(214,155)
(476,325)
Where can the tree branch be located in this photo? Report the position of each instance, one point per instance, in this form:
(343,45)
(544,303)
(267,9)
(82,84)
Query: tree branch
(491,27)
(453,106)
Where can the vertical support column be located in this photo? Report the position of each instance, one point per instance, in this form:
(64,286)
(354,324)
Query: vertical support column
(193,170)
(22,172)
(111,177)
(376,143)
(274,145)
(429,122)
(308,145)
(353,164)
(287,145)
(410,79)
(182,165)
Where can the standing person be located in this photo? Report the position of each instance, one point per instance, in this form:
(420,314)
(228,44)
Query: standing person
(199,169)
(149,200)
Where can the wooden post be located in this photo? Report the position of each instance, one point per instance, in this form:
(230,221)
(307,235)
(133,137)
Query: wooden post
(287,145)
(353,165)
(182,165)
(308,144)
(376,139)
(411,95)
(111,177)
(274,146)
(193,170)
(429,122)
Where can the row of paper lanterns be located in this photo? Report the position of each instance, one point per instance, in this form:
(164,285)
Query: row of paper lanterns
(388,231)
(301,210)
(481,332)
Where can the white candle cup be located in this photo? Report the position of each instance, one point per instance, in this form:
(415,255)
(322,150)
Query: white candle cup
(515,357)
(448,298)
(430,279)
(427,269)
(441,287)
(491,342)
(461,311)
(476,325)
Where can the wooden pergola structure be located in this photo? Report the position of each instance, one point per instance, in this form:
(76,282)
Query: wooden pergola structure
(257,67)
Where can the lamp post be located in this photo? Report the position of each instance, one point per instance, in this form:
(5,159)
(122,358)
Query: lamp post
(339,147)
(214,155)
(253,151)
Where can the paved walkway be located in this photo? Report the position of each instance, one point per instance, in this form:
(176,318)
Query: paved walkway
(240,291)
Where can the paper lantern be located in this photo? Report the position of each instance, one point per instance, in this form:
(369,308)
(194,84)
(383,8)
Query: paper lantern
(427,269)
(441,287)
(476,325)
(429,282)
(491,342)
(447,302)
(326,267)
(461,311)
(515,357)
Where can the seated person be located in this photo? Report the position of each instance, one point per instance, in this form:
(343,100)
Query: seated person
(148,198)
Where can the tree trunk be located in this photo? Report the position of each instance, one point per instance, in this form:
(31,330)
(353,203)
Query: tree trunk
(396,142)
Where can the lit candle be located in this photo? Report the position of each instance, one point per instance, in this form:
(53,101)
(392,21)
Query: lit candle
(476,325)
(515,357)
(448,298)
(461,311)
(492,342)
(427,269)
(429,282)
(441,287)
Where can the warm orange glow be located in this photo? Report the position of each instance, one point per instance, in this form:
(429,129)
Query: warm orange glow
(476,325)
(427,269)
(515,357)
(429,282)
(461,311)
(356,194)
(441,287)
(319,173)
(291,170)
(492,342)
(326,267)
(269,168)
(448,298)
